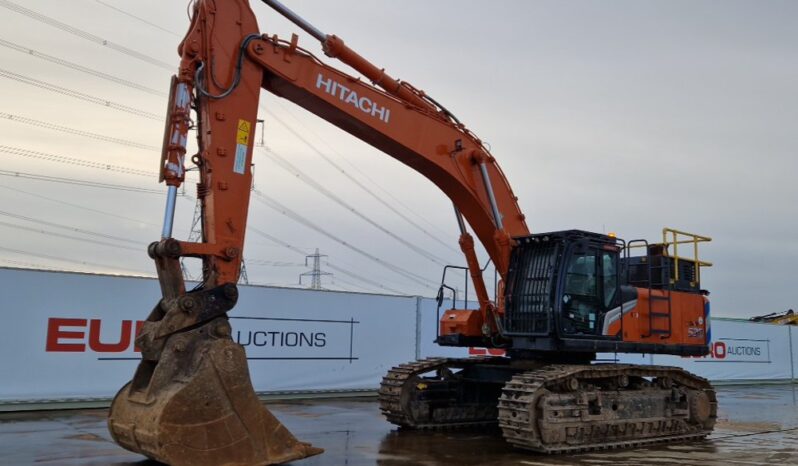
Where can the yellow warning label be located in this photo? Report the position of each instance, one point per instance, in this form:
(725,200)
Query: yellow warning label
(244,128)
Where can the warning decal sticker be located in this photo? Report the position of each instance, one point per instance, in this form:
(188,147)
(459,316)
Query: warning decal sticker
(242,141)
(244,128)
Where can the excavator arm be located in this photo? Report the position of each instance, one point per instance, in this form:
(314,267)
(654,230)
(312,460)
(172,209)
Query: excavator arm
(396,119)
(191,400)
(228,64)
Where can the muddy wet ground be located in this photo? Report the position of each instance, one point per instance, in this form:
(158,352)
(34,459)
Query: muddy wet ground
(758,425)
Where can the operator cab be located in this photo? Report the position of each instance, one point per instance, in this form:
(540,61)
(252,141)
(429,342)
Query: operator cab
(569,292)
(563,282)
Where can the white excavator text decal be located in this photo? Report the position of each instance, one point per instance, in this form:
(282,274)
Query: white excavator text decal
(348,96)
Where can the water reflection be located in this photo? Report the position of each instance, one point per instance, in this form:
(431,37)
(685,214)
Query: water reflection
(354,433)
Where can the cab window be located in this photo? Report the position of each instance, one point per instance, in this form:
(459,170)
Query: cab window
(580,301)
(580,278)
(590,290)
(609,278)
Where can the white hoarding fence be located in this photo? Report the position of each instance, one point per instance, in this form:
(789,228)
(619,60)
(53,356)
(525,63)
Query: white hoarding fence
(740,350)
(72,336)
(69,335)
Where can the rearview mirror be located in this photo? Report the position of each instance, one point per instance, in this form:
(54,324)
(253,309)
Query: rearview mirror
(439,298)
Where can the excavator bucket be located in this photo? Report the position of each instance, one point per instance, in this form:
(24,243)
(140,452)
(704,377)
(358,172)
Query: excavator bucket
(192,404)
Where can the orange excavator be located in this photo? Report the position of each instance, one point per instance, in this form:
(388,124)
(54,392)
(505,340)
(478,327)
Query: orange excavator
(561,297)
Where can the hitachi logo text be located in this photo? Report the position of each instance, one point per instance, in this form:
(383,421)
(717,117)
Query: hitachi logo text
(348,96)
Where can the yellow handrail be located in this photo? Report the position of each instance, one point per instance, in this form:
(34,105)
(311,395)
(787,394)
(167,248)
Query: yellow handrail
(690,238)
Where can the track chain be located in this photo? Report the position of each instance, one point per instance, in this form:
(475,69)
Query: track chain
(397,384)
(521,397)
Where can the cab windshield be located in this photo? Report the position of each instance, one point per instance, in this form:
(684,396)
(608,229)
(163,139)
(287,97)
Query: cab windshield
(590,290)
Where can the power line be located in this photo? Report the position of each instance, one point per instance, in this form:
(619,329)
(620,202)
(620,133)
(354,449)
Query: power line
(70,228)
(83,34)
(281,208)
(260,262)
(357,182)
(30,265)
(137,18)
(346,265)
(78,182)
(62,259)
(336,282)
(299,174)
(82,69)
(70,237)
(340,270)
(275,263)
(78,206)
(77,132)
(364,174)
(277,206)
(333,286)
(78,95)
(363,279)
(75,161)
(297,250)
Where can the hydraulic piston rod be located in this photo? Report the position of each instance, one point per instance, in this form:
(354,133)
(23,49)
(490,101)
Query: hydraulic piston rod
(169,212)
(497,216)
(334,47)
(460,221)
(296,19)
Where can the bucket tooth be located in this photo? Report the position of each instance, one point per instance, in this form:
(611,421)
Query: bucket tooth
(196,406)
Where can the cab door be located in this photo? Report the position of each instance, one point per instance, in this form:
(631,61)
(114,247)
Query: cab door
(589,288)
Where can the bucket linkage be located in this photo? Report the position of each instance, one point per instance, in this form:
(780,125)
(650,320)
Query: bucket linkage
(191,401)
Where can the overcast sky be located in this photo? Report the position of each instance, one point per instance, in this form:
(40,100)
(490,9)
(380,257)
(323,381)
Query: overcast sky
(622,116)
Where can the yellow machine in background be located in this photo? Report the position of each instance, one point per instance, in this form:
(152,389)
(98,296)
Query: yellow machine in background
(779,318)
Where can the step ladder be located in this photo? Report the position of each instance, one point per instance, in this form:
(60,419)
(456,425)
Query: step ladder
(660,310)
(660,315)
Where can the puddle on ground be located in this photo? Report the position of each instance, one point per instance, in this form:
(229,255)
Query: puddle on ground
(354,434)
(92,437)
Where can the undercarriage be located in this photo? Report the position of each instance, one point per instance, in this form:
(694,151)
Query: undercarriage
(552,408)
